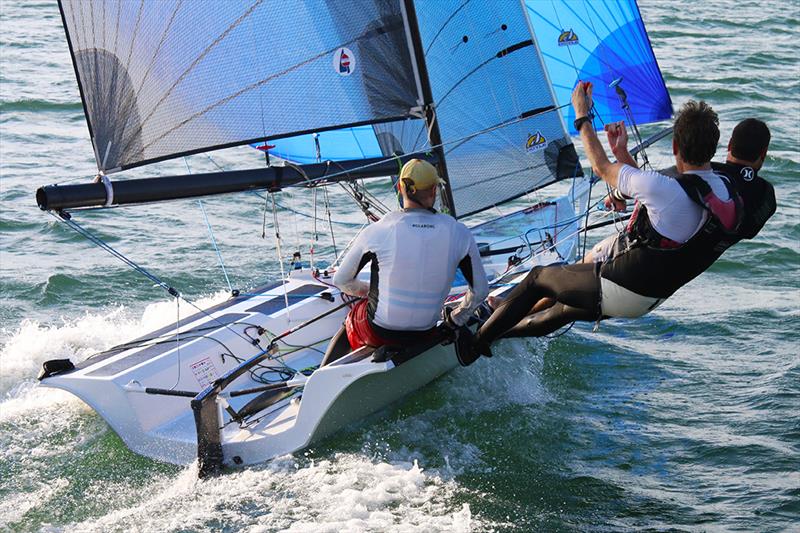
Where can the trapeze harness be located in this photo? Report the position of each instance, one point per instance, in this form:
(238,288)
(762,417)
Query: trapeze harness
(758,196)
(651,265)
(644,268)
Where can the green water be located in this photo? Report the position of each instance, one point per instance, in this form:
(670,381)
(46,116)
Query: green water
(687,419)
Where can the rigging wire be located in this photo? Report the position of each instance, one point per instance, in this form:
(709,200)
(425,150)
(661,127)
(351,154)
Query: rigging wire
(280,253)
(216,248)
(97,241)
(211,234)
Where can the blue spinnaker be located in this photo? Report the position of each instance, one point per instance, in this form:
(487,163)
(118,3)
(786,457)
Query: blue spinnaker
(600,42)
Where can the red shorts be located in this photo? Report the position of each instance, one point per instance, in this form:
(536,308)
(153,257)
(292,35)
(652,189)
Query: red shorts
(359,331)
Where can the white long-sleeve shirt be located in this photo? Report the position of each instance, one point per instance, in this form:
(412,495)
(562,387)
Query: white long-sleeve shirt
(672,213)
(414,255)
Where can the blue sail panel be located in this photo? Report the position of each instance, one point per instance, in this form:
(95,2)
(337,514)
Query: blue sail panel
(334,145)
(600,42)
(502,135)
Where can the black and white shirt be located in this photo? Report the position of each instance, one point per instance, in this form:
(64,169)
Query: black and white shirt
(414,255)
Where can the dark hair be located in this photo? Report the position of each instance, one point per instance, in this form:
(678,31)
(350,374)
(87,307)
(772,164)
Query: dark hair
(696,132)
(749,139)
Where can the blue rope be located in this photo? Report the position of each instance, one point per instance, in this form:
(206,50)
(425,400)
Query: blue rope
(216,248)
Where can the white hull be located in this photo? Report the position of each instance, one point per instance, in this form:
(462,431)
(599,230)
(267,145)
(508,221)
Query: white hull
(164,427)
(339,395)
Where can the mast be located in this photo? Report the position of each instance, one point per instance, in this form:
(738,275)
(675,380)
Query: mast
(428,108)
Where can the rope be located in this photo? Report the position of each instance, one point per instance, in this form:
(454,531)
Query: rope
(177,339)
(97,241)
(315,235)
(100,243)
(330,221)
(280,254)
(216,248)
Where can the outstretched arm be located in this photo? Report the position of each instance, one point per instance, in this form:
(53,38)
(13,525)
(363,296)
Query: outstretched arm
(582,103)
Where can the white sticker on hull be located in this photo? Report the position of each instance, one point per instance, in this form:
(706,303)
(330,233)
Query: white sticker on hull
(204,372)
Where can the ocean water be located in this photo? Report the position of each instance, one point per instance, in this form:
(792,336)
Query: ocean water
(685,420)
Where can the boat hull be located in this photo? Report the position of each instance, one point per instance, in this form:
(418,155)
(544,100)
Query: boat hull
(334,398)
(151,390)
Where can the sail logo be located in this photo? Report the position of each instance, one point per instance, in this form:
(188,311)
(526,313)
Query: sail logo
(344,61)
(535,142)
(567,38)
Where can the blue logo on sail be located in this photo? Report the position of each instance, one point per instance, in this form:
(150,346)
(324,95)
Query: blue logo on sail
(567,38)
(535,142)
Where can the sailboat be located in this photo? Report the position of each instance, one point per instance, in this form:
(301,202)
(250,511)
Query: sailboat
(332,93)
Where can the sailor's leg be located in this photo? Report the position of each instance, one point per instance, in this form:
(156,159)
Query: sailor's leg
(338,347)
(542,304)
(549,320)
(573,285)
(510,311)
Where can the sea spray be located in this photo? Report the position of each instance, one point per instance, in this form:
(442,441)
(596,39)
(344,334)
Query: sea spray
(346,492)
(43,430)
(32,343)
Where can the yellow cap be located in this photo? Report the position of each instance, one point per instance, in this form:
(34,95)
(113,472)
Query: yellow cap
(421,173)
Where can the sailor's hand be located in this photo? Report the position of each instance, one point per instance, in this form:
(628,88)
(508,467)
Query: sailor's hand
(617,205)
(582,98)
(617,135)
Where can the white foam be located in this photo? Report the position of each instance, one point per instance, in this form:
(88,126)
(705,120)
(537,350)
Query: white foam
(32,343)
(14,506)
(512,376)
(410,488)
(345,493)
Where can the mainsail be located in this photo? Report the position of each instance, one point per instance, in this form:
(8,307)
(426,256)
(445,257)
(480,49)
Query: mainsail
(500,127)
(175,77)
(166,79)
(601,42)
(502,134)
